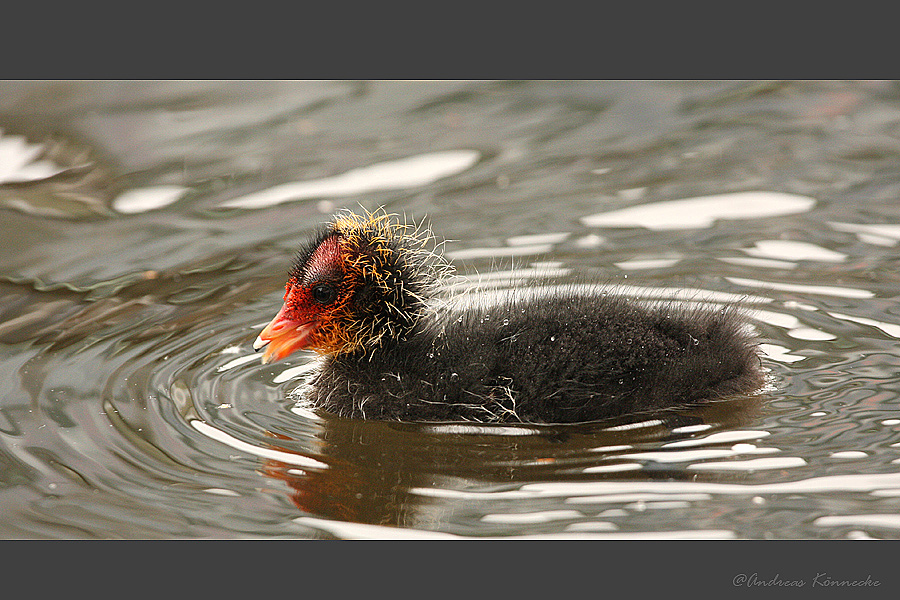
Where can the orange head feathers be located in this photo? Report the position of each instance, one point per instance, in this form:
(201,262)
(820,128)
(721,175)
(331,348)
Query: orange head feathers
(362,279)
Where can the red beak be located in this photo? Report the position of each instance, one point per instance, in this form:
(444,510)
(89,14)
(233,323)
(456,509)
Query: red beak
(282,336)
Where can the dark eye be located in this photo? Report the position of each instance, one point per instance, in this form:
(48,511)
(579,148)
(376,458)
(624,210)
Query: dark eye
(324,294)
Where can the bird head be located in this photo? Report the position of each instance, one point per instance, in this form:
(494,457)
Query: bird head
(362,280)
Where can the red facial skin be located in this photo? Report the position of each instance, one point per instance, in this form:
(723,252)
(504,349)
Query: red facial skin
(291,328)
(303,322)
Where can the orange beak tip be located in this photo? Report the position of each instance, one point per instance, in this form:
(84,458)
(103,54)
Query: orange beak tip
(281,337)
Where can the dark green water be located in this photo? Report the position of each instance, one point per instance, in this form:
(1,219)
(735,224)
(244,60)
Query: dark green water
(146,229)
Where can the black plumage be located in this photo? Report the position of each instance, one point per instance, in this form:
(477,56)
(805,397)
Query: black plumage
(563,357)
(569,358)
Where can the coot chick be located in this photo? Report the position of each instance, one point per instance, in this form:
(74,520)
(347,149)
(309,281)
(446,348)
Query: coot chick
(366,292)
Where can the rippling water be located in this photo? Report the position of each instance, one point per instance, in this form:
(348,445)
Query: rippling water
(147,228)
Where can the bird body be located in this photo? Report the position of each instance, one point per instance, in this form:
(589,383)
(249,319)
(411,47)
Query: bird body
(365,293)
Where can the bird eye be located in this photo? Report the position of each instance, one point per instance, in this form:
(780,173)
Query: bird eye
(324,294)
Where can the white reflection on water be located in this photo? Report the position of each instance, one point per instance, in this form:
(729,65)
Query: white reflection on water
(537,238)
(615,468)
(783,254)
(221,492)
(146,199)
(754,464)
(637,425)
(409,172)
(826,290)
(789,250)
(649,263)
(589,492)
(692,428)
(361,531)
(473,429)
(779,353)
(718,438)
(270,453)
(702,211)
(889,521)
(242,360)
(766,263)
(296,372)
(21,161)
(810,334)
(849,454)
(877,234)
(812,485)
(889,328)
(544,516)
(697,454)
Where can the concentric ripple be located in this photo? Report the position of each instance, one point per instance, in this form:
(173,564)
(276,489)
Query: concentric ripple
(190,434)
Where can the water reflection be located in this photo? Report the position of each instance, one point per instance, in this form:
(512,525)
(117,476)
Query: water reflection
(416,465)
(703,211)
(410,172)
(21,161)
(147,228)
(794,251)
(144,199)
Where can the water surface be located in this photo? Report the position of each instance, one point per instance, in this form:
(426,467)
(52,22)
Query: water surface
(147,228)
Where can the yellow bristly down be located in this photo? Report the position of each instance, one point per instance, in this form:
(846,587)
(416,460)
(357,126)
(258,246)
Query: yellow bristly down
(386,242)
